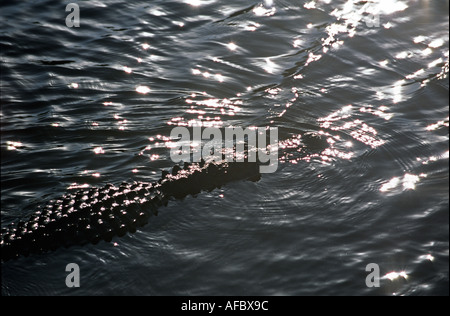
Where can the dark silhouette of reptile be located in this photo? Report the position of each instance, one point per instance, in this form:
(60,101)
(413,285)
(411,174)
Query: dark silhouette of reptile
(89,216)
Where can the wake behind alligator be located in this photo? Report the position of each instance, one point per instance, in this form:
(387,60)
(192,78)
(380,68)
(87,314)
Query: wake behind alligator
(89,216)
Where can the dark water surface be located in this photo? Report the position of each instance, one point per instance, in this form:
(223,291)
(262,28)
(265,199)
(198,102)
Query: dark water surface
(94,105)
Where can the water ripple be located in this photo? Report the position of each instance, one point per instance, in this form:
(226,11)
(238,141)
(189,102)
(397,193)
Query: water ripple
(85,106)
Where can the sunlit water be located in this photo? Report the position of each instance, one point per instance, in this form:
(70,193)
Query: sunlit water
(93,105)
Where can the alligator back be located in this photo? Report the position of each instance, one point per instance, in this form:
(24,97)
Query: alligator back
(89,216)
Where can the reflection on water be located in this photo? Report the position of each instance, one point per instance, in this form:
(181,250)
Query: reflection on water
(95,105)
(408,182)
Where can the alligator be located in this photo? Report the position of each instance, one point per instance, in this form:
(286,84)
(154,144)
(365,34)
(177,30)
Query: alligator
(95,214)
